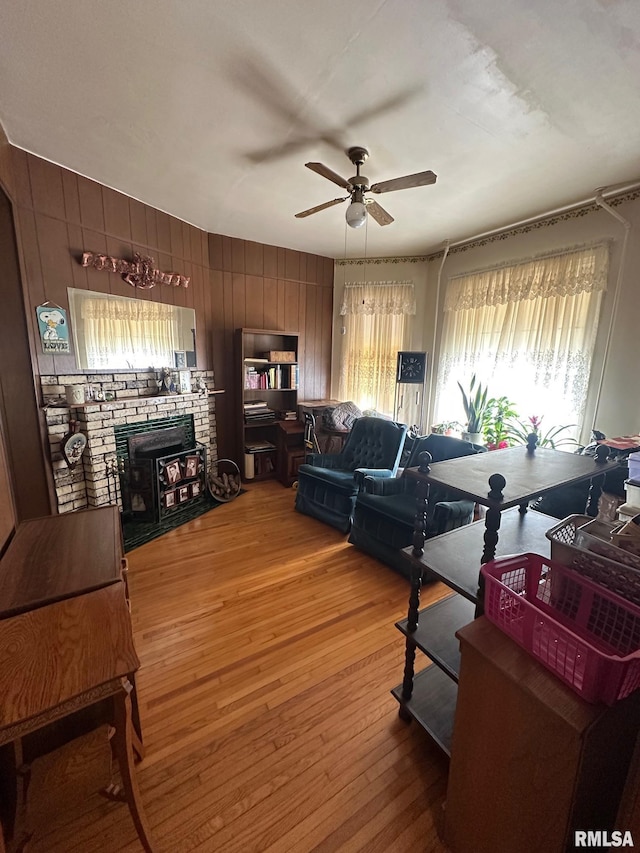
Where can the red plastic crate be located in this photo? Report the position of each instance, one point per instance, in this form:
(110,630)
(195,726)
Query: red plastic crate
(584,633)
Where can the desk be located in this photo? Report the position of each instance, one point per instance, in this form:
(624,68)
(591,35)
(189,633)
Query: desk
(335,439)
(66,641)
(329,440)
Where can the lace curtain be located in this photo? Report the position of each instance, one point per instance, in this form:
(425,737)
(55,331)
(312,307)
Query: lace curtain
(375,330)
(565,274)
(379,298)
(528,331)
(139,333)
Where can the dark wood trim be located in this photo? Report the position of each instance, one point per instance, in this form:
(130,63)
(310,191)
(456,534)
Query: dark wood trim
(18,401)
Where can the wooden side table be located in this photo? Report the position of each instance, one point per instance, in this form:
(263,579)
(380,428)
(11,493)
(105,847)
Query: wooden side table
(290,450)
(66,641)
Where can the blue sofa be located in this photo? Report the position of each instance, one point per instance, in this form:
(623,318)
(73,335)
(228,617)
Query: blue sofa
(329,482)
(385,510)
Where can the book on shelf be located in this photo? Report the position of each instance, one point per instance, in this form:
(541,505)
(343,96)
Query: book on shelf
(260,412)
(282,376)
(256,360)
(258,446)
(263,464)
(266,417)
(277,376)
(288,416)
(255,404)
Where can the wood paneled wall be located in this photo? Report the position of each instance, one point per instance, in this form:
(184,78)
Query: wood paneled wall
(234,283)
(266,287)
(61,214)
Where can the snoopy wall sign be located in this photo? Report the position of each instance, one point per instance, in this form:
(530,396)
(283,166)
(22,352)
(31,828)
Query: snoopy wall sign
(54,328)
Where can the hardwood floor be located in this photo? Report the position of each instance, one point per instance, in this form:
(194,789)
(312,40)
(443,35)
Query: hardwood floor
(268,650)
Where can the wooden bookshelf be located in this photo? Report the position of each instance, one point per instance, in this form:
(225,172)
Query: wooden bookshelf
(268,376)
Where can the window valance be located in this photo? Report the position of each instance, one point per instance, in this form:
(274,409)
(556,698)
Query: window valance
(579,270)
(136,311)
(379,297)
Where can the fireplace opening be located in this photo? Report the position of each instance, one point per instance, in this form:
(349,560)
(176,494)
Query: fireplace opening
(163,472)
(159,442)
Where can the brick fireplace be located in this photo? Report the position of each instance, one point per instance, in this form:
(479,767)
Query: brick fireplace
(94,480)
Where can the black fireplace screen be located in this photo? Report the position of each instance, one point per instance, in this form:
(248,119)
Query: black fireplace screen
(163,468)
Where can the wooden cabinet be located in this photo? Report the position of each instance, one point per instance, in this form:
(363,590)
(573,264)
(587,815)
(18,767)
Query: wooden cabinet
(268,374)
(531,761)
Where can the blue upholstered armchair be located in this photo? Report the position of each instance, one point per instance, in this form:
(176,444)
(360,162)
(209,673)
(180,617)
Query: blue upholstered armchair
(385,509)
(328,482)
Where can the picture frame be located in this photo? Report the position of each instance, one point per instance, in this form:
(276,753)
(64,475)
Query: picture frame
(185,381)
(53,327)
(196,489)
(139,476)
(138,503)
(173,472)
(184,493)
(169,499)
(191,466)
(180,357)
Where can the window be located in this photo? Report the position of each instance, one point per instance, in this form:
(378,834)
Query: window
(376,328)
(527,330)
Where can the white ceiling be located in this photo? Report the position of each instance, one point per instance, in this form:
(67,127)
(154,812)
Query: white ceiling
(209,109)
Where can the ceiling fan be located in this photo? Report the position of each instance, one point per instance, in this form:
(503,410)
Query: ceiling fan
(358,185)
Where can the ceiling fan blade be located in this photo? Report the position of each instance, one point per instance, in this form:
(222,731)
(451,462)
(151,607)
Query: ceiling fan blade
(328,173)
(420,179)
(379,213)
(320,207)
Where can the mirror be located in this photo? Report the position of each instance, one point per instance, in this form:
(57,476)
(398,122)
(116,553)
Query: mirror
(118,333)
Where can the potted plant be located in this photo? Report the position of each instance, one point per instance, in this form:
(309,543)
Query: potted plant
(496,430)
(551,438)
(446,428)
(474,402)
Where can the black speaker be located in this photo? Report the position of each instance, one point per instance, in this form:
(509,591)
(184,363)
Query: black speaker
(412,367)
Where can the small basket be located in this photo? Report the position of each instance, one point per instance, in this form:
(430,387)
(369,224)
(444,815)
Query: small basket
(281,356)
(225,484)
(586,635)
(602,562)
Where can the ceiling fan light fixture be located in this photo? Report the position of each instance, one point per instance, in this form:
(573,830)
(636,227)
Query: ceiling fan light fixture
(356,214)
(358,185)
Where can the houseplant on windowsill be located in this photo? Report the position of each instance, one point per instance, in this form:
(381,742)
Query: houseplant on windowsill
(446,428)
(519,430)
(475,406)
(498,412)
